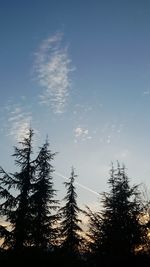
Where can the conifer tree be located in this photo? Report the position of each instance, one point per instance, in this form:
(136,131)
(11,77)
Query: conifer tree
(146,217)
(94,232)
(70,229)
(15,208)
(117,227)
(43,204)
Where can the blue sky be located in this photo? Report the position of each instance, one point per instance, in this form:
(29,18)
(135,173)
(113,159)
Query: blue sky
(78,71)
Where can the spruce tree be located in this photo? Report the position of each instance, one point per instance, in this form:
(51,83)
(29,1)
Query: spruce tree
(43,204)
(117,227)
(146,217)
(70,228)
(15,208)
(94,232)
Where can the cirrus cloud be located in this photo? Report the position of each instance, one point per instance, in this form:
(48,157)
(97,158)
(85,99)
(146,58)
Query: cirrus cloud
(53,67)
(19,122)
(17,119)
(81,134)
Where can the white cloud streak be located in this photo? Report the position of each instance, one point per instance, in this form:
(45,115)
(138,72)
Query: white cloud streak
(81,134)
(53,67)
(80,185)
(19,122)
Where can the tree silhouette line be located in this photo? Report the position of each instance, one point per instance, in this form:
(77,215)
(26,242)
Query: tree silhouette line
(36,228)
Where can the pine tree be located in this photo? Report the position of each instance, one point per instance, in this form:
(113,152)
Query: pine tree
(118,228)
(43,204)
(146,217)
(94,233)
(70,229)
(15,208)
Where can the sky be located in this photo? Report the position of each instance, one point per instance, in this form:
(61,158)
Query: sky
(79,72)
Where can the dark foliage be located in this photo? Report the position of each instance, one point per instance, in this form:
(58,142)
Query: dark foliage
(70,229)
(37,234)
(42,202)
(116,231)
(16,209)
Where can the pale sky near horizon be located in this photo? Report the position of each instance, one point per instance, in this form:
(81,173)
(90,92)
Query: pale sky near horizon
(78,71)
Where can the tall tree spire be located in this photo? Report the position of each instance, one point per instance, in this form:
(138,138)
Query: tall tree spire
(43,203)
(70,229)
(16,208)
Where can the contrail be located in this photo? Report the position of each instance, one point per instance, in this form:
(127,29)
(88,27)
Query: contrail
(81,185)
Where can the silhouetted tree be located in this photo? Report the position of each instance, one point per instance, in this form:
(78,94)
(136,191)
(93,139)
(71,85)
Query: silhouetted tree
(94,234)
(145,219)
(15,209)
(116,230)
(43,204)
(70,229)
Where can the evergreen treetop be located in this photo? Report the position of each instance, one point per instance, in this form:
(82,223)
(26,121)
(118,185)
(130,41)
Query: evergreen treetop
(70,229)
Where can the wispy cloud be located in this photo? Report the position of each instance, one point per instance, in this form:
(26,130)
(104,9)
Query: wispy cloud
(81,134)
(17,120)
(53,67)
(19,123)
